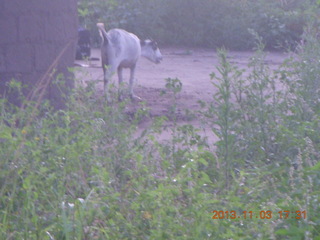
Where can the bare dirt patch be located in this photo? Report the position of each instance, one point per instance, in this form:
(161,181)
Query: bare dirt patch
(191,66)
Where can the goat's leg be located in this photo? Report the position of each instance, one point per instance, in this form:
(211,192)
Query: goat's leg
(131,83)
(106,78)
(108,71)
(120,88)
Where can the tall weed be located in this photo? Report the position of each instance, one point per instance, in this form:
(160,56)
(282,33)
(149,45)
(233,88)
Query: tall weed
(272,145)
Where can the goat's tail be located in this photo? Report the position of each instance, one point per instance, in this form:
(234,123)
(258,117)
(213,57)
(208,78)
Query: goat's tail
(102,32)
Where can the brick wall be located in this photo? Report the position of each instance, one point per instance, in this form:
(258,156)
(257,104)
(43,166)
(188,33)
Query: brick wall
(32,35)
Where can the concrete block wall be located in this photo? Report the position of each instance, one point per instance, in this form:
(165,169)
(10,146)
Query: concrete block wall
(32,35)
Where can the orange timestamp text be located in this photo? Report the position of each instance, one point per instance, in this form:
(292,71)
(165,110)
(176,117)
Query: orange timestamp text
(286,214)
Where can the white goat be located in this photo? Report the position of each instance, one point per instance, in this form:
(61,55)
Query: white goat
(121,49)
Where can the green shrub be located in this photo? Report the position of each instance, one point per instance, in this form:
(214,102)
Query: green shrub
(206,23)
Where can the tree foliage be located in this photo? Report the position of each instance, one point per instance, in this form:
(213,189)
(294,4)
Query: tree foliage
(209,23)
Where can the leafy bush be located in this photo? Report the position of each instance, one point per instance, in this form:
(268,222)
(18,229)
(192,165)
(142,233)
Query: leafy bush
(208,23)
(267,141)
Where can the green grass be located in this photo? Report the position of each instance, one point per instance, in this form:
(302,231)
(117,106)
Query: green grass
(78,173)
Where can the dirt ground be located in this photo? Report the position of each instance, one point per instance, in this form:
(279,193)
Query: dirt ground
(191,66)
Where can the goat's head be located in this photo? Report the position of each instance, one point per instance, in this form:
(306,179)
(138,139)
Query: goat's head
(151,51)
